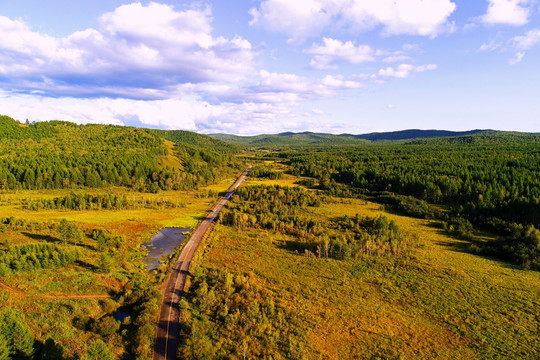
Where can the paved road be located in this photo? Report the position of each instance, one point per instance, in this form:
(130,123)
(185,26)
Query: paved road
(167,331)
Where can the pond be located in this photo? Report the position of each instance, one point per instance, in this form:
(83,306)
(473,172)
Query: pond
(163,244)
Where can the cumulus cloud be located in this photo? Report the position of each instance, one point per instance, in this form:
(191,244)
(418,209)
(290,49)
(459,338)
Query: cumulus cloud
(302,19)
(334,52)
(136,47)
(191,114)
(298,19)
(281,88)
(268,103)
(325,56)
(507,12)
(152,65)
(414,17)
(405,70)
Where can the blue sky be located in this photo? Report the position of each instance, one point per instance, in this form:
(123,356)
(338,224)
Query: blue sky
(267,66)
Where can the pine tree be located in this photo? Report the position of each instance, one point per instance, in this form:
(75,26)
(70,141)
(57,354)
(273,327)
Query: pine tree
(105,263)
(18,335)
(4,348)
(97,350)
(67,231)
(63,230)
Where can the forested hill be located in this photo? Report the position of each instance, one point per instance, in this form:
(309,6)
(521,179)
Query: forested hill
(417,134)
(59,154)
(198,140)
(289,138)
(309,138)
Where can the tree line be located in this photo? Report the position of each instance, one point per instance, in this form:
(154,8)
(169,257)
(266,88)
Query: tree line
(108,201)
(491,180)
(288,210)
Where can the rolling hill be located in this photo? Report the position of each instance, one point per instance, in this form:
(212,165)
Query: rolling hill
(310,138)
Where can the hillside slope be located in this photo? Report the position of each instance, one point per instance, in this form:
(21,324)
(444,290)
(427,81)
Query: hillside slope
(60,154)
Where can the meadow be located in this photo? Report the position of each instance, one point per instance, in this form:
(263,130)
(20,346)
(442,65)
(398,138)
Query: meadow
(64,303)
(436,300)
(333,249)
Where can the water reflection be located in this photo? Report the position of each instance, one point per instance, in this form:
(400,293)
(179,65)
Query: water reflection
(163,244)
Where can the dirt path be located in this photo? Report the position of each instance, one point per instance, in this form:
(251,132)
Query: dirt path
(167,330)
(5,286)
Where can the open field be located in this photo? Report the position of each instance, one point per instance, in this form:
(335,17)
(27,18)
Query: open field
(437,301)
(53,299)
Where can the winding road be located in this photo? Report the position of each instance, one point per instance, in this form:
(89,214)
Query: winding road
(167,330)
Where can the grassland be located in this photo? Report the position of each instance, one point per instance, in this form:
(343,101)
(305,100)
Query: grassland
(53,301)
(437,301)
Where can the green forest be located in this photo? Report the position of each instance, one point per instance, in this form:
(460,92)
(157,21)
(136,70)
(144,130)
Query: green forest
(63,155)
(490,181)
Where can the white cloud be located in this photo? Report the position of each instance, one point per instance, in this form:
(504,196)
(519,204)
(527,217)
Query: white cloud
(302,19)
(299,19)
(136,48)
(290,88)
(527,41)
(414,17)
(492,45)
(325,56)
(152,65)
(334,52)
(523,43)
(192,114)
(507,12)
(405,70)
(266,104)
(519,45)
(396,58)
(517,58)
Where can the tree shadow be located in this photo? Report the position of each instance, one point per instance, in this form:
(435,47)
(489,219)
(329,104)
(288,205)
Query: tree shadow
(480,248)
(54,240)
(293,246)
(46,238)
(49,350)
(87,246)
(87,266)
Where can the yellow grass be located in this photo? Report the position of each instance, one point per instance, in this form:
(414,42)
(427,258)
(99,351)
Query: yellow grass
(39,294)
(170,159)
(437,302)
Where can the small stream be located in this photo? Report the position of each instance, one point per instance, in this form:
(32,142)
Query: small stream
(163,244)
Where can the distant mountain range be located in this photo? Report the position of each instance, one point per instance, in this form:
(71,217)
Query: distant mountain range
(291,138)
(417,134)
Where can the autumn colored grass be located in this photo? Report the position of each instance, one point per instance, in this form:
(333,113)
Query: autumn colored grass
(39,294)
(438,301)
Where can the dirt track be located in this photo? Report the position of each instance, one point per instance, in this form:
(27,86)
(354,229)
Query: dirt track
(167,330)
